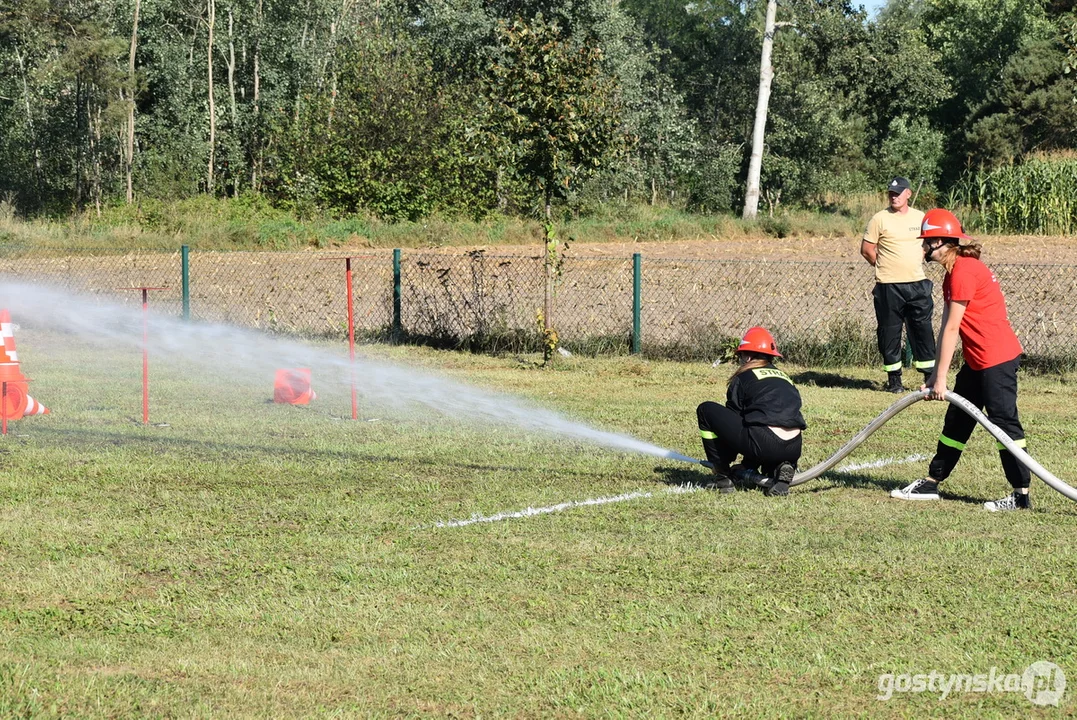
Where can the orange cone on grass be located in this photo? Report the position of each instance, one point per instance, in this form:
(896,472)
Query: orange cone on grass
(13,383)
(292,387)
(9,359)
(33,407)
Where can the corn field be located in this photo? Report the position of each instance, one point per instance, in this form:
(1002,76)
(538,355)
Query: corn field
(1037,197)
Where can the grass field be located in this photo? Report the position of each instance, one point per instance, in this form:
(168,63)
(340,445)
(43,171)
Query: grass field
(242,559)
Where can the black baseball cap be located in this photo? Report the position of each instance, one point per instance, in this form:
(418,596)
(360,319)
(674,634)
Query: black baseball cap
(898,184)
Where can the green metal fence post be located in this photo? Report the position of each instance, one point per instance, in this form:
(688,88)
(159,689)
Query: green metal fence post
(636,296)
(397,325)
(185,254)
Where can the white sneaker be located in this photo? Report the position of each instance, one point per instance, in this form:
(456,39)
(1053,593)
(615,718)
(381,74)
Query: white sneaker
(922,489)
(1013,501)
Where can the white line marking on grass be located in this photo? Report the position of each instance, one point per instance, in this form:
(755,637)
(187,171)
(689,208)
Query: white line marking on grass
(882,462)
(532,511)
(683,489)
(638,494)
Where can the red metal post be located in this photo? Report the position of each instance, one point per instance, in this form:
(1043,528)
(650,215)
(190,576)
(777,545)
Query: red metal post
(145,360)
(145,348)
(351,340)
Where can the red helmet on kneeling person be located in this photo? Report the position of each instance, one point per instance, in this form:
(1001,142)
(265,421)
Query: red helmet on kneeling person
(759,340)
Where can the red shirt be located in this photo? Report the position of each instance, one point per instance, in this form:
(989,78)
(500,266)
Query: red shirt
(986,336)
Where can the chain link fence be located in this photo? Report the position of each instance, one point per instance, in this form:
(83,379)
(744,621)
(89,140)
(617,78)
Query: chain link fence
(821,312)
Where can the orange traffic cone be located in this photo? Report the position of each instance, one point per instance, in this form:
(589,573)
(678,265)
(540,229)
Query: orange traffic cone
(9,359)
(33,407)
(292,387)
(13,386)
(14,400)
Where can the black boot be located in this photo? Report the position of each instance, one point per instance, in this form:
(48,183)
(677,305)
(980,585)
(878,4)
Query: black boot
(893,382)
(722,481)
(783,476)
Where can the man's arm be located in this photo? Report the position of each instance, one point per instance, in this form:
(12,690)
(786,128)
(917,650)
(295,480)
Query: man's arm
(869,251)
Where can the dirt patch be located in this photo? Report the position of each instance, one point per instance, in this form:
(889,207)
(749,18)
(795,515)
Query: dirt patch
(1007,249)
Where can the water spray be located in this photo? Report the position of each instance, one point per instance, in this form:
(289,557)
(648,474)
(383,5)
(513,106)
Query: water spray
(245,356)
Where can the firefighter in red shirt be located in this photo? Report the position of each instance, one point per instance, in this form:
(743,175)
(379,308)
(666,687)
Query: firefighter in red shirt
(975,310)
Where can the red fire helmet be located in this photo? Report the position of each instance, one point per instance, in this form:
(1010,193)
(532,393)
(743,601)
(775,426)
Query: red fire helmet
(941,223)
(759,340)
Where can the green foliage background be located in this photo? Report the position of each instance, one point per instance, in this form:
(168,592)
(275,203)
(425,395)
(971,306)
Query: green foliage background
(396,109)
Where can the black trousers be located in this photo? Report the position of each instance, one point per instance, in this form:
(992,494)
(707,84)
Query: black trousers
(725,436)
(993,390)
(909,305)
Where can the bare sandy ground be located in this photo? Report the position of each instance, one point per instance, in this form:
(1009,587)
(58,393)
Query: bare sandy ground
(1010,249)
(1000,249)
(1007,249)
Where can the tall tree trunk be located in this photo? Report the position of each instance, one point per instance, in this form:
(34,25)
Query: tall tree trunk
(306,26)
(30,121)
(93,126)
(79,151)
(243,62)
(329,59)
(233,179)
(302,48)
(256,135)
(129,160)
(190,64)
(345,10)
(231,69)
(766,75)
(548,270)
(212,8)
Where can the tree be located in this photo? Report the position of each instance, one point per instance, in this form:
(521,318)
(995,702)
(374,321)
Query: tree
(711,51)
(1069,38)
(388,138)
(211,21)
(815,129)
(912,148)
(128,95)
(1029,109)
(66,61)
(554,117)
(766,75)
(906,77)
(975,40)
(24,37)
(815,120)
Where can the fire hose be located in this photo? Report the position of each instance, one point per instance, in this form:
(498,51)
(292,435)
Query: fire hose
(1023,457)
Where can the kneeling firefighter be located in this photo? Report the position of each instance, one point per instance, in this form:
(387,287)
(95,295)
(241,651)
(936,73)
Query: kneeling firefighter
(760,421)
